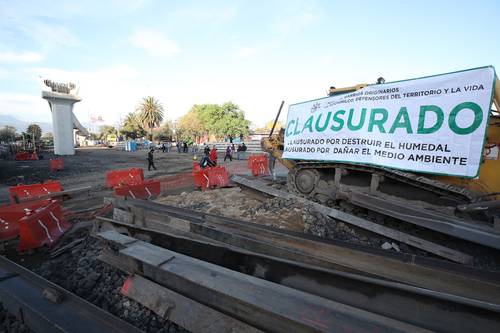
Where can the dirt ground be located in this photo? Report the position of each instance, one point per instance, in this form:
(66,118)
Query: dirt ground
(88,167)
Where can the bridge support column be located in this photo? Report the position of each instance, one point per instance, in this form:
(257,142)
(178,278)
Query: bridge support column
(61,106)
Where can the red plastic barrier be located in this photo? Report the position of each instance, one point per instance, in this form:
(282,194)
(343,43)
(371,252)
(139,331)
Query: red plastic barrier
(201,178)
(25,156)
(198,174)
(259,164)
(56,164)
(34,190)
(217,177)
(145,190)
(124,177)
(43,227)
(260,167)
(11,214)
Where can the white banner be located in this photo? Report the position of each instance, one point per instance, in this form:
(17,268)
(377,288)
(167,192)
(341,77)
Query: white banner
(435,124)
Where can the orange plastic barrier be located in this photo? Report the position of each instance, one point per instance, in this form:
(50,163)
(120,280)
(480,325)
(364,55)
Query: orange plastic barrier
(259,164)
(131,176)
(11,214)
(214,177)
(198,174)
(42,227)
(56,164)
(200,178)
(25,156)
(145,190)
(34,190)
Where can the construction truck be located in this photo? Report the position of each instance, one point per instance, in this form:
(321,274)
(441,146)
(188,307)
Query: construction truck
(323,164)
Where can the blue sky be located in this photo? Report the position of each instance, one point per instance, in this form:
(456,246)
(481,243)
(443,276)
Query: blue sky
(254,53)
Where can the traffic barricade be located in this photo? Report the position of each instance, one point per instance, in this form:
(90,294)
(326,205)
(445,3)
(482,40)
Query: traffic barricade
(198,174)
(33,190)
(26,156)
(56,164)
(11,214)
(201,178)
(145,190)
(259,164)
(260,167)
(130,176)
(42,227)
(22,156)
(217,177)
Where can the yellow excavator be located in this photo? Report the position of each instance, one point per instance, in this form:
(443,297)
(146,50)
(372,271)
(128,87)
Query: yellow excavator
(412,197)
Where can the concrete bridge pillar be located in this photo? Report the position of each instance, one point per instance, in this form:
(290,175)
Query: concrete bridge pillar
(61,105)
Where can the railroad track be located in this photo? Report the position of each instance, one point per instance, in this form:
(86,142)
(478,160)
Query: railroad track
(47,308)
(419,292)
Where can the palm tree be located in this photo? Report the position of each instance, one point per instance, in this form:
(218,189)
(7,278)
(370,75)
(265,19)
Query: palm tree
(150,113)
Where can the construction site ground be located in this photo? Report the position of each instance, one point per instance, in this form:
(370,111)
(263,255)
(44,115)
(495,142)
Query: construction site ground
(78,269)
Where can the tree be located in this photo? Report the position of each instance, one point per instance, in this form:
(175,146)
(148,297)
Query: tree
(48,137)
(232,122)
(150,113)
(220,120)
(8,134)
(132,127)
(165,132)
(34,131)
(105,130)
(191,125)
(269,125)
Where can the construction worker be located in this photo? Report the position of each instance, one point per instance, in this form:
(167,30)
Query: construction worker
(229,154)
(151,163)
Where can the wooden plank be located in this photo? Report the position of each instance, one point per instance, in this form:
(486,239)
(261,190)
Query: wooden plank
(459,280)
(123,216)
(417,242)
(402,302)
(185,312)
(159,227)
(260,303)
(330,256)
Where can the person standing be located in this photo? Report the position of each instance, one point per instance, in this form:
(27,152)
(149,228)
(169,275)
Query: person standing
(213,155)
(151,162)
(229,154)
(238,152)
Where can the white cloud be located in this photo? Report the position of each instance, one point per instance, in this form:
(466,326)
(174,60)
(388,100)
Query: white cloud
(25,107)
(20,57)
(23,19)
(3,73)
(154,42)
(297,16)
(246,51)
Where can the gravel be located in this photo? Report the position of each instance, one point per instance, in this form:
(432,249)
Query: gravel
(80,272)
(9,323)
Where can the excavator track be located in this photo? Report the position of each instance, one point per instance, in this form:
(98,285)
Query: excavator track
(305,179)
